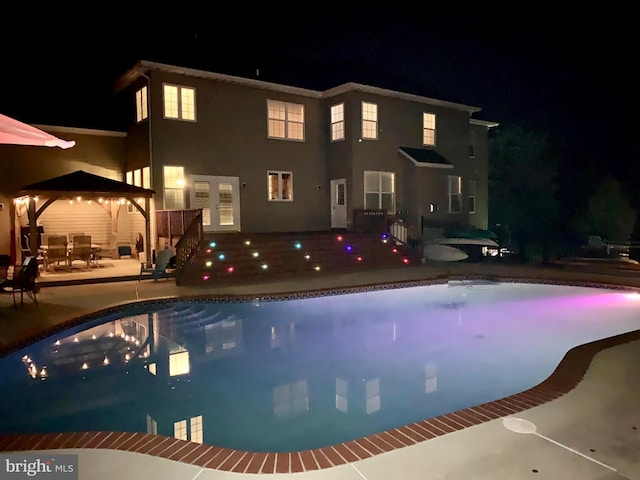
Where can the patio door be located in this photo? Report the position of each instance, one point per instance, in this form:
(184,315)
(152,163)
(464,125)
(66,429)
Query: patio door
(339,203)
(219,199)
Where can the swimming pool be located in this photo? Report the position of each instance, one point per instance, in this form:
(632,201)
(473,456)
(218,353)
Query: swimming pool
(303,373)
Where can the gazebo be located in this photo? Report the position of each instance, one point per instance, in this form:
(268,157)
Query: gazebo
(86,185)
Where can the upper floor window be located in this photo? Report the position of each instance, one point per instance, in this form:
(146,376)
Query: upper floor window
(369,120)
(379,191)
(472,144)
(472,196)
(285,120)
(280,186)
(179,102)
(455,193)
(429,129)
(141,104)
(337,122)
(173,180)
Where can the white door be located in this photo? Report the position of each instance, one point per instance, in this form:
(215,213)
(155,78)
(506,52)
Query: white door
(339,203)
(219,199)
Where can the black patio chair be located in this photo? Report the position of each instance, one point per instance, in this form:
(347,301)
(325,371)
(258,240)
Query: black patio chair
(23,281)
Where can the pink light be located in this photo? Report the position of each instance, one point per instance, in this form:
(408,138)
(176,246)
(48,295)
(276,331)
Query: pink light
(339,238)
(359,259)
(230,269)
(205,277)
(395,250)
(405,260)
(208,250)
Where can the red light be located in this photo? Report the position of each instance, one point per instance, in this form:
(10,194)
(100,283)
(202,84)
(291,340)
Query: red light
(208,250)
(394,250)
(405,260)
(205,277)
(230,269)
(359,259)
(339,238)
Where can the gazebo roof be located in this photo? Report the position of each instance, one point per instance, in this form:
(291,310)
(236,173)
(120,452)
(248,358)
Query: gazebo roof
(85,184)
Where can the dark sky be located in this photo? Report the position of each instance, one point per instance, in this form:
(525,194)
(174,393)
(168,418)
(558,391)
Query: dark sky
(570,74)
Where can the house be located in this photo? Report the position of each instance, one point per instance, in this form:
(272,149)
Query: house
(257,156)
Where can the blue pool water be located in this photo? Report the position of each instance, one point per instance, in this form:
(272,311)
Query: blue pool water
(304,373)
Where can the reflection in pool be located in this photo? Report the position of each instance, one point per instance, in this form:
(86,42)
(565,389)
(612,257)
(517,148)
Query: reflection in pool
(303,373)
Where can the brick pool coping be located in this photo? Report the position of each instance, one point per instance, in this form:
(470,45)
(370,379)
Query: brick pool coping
(566,376)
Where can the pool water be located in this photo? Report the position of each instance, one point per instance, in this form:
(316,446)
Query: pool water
(303,373)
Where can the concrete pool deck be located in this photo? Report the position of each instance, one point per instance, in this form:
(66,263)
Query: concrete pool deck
(587,424)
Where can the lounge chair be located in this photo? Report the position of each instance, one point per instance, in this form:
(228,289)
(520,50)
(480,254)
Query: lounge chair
(159,269)
(23,281)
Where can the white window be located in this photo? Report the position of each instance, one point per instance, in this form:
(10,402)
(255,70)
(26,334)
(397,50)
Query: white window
(455,193)
(379,191)
(179,102)
(337,122)
(280,186)
(472,196)
(369,120)
(140,178)
(173,179)
(285,120)
(196,429)
(429,129)
(180,429)
(141,104)
(179,364)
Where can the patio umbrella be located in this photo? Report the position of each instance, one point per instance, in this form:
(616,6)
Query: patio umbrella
(14,132)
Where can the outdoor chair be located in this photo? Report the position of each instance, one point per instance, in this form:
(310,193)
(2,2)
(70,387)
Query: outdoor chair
(159,269)
(23,281)
(80,250)
(56,251)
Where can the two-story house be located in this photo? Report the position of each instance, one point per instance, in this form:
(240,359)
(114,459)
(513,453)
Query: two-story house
(257,156)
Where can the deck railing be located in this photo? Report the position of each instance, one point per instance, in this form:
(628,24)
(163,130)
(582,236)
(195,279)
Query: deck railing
(189,243)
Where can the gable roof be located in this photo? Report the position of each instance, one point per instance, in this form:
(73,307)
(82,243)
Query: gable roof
(85,184)
(425,157)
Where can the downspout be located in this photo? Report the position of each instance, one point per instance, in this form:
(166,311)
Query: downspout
(150,241)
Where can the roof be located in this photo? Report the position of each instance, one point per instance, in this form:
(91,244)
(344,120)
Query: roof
(85,184)
(143,67)
(425,157)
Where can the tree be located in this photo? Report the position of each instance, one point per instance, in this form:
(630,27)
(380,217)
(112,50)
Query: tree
(609,213)
(523,186)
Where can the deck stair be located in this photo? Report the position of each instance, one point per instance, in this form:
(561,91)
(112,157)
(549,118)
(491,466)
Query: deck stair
(256,257)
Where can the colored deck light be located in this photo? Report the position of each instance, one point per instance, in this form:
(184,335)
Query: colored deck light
(230,269)
(307,256)
(255,254)
(394,250)
(208,263)
(348,248)
(297,245)
(264,266)
(384,236)
(221,256)
(339,238)
(208,250)
(405,260)
(212,244)
(316,268)
(359,258)
(205,277)
(247,242)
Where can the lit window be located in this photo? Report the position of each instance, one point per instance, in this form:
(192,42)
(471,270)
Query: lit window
(141,104)
(196,429)
(337,122)
(285,120)
(455,193)
(178,363)
(280,186)
(180,429)
(472,196)
(369,120)
(179,102)
(379,191)
(173,187)
(428,129)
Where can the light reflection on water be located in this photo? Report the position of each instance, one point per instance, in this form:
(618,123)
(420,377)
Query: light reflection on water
(300,374)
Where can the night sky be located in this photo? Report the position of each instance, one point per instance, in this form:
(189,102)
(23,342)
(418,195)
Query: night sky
(568,74)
